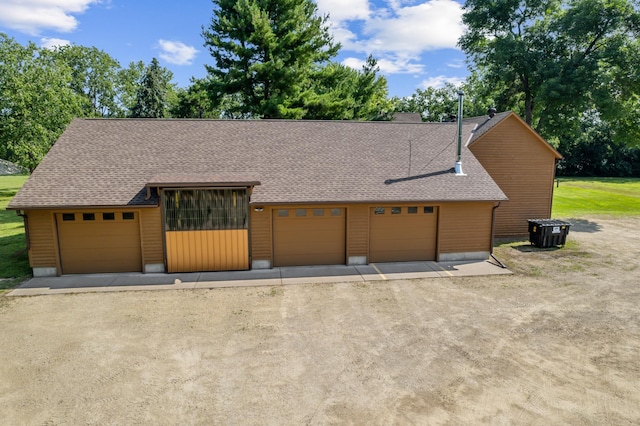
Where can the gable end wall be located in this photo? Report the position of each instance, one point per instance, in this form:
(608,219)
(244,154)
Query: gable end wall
(524,168)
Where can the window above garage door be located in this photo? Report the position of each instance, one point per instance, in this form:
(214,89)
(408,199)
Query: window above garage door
(205,209)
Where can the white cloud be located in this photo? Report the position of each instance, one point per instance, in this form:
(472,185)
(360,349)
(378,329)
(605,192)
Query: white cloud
(456,63)
(347,38)
(176,52)
(51,43)
(400,65)
(339,10)
(440,81)
(398,33)
(33,16)
(389,64)
(354,63)
(436,24)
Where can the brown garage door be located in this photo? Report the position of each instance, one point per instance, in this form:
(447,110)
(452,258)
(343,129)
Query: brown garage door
(402,234)
(99,242)
(309,236)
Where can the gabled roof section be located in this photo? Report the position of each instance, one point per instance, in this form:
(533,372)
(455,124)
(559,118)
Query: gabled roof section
(485,123)
(111,162)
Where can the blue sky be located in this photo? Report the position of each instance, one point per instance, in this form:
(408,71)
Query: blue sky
(413,40)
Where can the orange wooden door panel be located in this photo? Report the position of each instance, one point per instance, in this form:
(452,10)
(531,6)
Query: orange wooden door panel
(213,250)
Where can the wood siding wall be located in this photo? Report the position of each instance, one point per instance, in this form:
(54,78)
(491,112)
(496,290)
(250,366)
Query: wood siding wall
(260,229)
(151,235)
(42,232)
(524,168)
(357,231)
(464,227)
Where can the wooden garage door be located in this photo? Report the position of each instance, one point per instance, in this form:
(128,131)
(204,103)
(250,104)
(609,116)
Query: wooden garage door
(309,236)
(402,234)
(99,242)
(206,229)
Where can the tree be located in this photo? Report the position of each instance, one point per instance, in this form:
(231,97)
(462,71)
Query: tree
(195,102)
(433,104)
(593,151)
(128,82)
(265,51)
(36,101)
(338,92)
(152,94)
(441,104)
(94,76)
(371,94)
(561,58)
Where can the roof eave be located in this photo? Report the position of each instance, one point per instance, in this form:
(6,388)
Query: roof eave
(69,207)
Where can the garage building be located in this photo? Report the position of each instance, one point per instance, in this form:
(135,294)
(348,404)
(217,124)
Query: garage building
(121,195)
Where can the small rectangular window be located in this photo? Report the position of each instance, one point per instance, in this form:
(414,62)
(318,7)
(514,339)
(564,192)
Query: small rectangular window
(68,216)
(108,216)
(336,212)
(396,210)
(428,209)
(412,210)
(318,212)
(88,216)
(378,210)
(301,212)
(283,213)
(127,216)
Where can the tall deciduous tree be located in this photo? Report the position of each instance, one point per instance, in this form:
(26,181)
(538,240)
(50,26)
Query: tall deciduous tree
(563,57)
(128,82)
(195,102)
(36,101)
(264,50)
(152,94)
(94,77)
(437,104)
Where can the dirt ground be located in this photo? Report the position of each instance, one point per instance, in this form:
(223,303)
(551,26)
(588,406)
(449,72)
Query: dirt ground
(558,342)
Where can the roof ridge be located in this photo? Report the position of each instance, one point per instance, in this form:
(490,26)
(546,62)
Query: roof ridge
(260,120)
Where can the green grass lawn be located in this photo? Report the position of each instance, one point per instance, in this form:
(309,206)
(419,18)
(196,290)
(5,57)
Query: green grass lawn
(577,197)
(14,263)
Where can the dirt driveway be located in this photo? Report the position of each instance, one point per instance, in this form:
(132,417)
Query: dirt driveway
(557,342)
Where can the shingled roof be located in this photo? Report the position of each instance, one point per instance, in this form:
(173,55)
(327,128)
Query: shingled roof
(108,162)
(485,123)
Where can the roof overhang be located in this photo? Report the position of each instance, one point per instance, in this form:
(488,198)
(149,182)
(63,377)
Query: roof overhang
(173,180)
(196,181)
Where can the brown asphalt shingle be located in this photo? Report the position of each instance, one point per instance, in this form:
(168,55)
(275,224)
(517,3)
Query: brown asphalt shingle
(485,123)
(107,162)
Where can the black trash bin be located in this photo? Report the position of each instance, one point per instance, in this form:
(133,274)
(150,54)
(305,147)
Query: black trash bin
(548,232)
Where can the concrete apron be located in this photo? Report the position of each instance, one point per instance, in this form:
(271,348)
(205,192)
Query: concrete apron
(259,277)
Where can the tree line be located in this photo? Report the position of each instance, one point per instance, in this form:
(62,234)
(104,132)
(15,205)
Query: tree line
(568,67)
